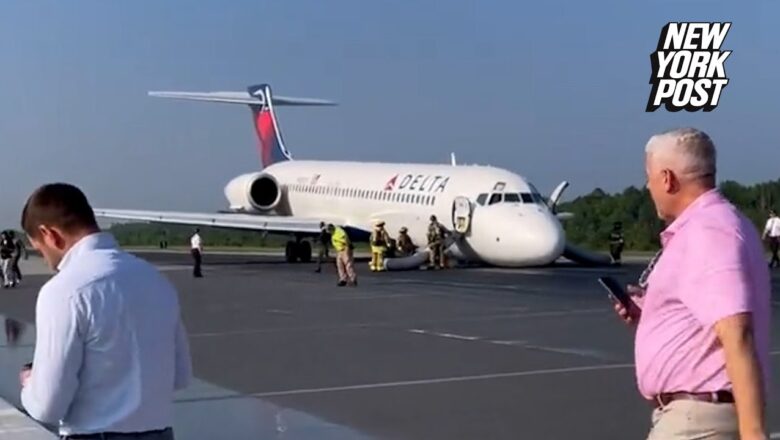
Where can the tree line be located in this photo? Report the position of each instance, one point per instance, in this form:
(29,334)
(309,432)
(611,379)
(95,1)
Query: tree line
(594,215)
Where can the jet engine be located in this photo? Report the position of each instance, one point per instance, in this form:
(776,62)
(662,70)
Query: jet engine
(253,192)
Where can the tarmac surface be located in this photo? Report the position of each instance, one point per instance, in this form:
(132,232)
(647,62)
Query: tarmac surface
(280,352)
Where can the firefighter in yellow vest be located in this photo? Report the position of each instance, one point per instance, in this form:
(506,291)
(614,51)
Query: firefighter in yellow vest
(380,239)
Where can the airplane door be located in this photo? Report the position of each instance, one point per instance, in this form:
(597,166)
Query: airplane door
(461,214)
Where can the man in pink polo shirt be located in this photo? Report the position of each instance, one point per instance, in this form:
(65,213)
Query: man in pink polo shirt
(702,337)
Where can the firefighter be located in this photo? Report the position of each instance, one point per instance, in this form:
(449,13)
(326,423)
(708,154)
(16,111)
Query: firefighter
(616,243)
(404,242)
(435,244)
(380,239)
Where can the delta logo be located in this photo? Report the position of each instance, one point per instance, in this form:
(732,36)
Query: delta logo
(688,67)
(417,182)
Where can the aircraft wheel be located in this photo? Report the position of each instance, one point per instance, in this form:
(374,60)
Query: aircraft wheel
(304,251)
(291,252)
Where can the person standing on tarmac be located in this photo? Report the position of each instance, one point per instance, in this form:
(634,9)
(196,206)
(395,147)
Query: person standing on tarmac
(196,249)
(435,239)
(772,232)
(616,242)
(6,254)
(19,249)
(344,255)
(380,239)
(323,241)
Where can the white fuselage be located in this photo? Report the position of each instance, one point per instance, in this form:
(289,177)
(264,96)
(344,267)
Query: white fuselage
(517,229)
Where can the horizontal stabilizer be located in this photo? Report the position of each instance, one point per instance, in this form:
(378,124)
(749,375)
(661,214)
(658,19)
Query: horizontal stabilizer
(240,98)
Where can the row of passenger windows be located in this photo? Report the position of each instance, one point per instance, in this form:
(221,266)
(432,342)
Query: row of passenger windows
(355,193)
(483,200)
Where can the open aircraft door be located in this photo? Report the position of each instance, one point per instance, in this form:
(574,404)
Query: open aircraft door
(461,214)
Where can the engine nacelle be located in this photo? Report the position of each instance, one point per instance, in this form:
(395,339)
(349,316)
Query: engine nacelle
(253,192)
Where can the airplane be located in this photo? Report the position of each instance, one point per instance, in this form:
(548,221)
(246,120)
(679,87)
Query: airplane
(497,217)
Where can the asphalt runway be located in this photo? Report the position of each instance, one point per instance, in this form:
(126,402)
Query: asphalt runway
(280,352)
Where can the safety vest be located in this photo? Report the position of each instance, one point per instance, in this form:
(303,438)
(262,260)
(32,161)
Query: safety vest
(339,239)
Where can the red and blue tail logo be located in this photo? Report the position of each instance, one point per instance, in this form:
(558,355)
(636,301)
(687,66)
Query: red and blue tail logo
(271,145)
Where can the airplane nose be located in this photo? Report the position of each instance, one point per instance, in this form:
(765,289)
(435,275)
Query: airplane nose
(519,238)
(544,241)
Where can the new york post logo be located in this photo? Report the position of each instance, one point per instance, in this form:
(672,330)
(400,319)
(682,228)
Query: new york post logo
(689,67)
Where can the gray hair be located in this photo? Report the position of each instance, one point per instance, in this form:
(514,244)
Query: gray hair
(692,151)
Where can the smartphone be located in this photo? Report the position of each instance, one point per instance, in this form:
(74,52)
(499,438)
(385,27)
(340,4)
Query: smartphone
(617,293)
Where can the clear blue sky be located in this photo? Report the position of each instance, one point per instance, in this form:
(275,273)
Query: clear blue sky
(552,90)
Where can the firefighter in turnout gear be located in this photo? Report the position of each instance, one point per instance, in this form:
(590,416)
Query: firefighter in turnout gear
(616,242)
(404,243)
(435,244)
(380,239)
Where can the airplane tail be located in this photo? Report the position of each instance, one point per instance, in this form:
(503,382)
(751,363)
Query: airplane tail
(262,102)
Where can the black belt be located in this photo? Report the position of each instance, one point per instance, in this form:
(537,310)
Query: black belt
(664,399)
(114,435)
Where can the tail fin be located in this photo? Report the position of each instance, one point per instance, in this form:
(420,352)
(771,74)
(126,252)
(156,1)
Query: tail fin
(261,101)
(271,145)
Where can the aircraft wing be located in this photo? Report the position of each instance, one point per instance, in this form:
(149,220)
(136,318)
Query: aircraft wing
(222,220)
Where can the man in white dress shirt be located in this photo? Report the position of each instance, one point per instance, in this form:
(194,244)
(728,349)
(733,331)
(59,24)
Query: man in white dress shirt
(110,346)
(772,231)
(196,248)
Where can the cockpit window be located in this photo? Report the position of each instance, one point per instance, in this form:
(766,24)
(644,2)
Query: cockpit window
(495,198)
(481,199)
(539,199)
(527,198)
(511,198)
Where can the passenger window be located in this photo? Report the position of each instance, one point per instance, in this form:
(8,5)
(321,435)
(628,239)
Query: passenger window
(495,198)
(512,198)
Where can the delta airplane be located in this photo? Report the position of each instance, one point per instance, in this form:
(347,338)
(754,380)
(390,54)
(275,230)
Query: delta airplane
(497,217)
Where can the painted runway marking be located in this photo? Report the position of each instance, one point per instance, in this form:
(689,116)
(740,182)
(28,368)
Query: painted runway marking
(444,335)
(441,380)
(495,317)
(583,352)
(510,343)
(774,435)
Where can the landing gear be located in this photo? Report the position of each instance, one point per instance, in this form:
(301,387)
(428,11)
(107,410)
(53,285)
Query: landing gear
(297,251)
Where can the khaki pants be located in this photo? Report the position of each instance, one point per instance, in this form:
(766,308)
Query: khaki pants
(346,266)
(692,420)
